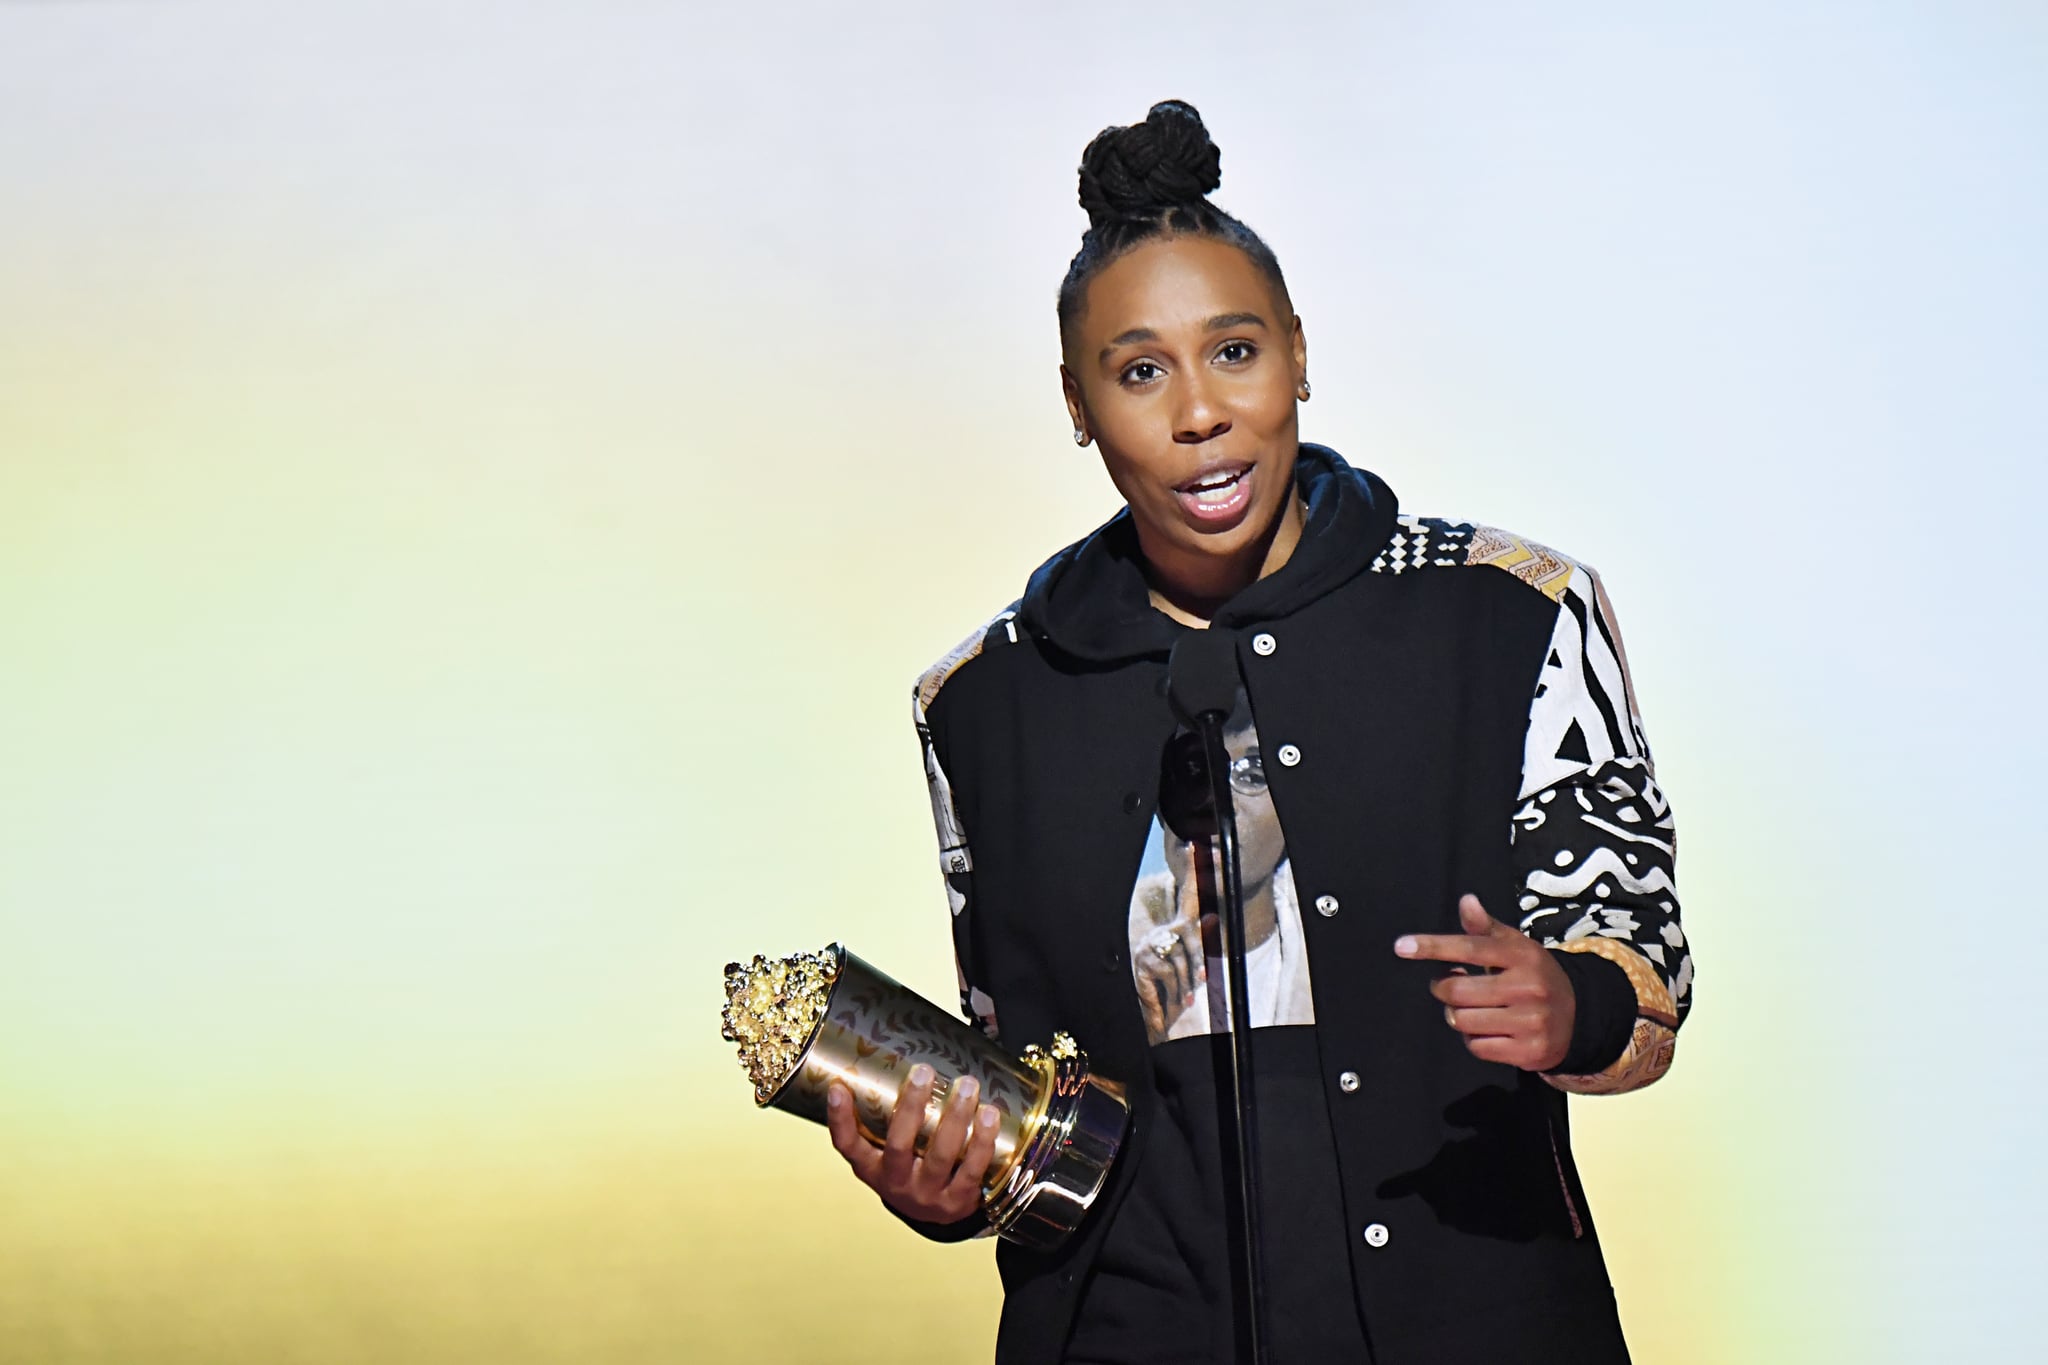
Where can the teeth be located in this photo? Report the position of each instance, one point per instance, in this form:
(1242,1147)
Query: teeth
(1214,481)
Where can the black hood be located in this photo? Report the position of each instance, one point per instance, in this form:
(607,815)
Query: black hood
(1089,600)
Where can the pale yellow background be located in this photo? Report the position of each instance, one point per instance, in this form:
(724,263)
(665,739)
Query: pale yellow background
(476,485)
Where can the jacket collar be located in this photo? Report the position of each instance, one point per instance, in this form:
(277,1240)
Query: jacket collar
(1089,600)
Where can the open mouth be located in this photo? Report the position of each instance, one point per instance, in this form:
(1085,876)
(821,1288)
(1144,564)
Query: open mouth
(1218,493)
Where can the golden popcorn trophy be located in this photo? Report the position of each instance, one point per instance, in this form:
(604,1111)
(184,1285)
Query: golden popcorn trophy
(807,1020)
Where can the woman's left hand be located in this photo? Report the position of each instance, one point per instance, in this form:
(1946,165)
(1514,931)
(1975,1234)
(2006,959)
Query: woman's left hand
(1521,1011)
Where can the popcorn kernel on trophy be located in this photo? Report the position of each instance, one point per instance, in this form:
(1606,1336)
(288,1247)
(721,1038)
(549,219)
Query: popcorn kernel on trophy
(809,1019)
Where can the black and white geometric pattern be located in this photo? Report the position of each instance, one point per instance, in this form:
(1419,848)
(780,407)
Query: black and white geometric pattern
(1599,851)
(1594,834)
(1424,542)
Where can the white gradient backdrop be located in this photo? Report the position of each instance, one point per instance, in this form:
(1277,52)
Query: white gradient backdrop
(476,484)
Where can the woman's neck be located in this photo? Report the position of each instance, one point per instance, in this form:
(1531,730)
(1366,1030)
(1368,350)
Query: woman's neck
(1191,589)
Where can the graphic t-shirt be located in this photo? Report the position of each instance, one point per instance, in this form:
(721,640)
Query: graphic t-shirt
(1164,1285)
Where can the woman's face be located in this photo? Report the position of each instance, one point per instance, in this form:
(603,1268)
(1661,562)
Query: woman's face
(1184,367)
(1261,844)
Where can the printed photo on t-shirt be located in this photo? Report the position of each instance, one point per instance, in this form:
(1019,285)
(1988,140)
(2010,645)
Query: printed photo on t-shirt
(1176,907)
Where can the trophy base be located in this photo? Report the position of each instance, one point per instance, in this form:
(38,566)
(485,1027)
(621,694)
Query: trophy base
(1065,1161)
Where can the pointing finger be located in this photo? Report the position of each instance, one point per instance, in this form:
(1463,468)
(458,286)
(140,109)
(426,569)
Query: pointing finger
(1479,950)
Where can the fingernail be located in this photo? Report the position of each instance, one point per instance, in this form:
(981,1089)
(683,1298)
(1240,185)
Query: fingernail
(987,1117)
(921,1074)
(835,1098)
(1406,945)
(967,1088)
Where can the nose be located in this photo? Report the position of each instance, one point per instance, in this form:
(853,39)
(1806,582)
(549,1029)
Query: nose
(1200,417)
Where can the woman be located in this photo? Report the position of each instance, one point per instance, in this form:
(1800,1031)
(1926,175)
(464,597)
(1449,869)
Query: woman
(1446,735)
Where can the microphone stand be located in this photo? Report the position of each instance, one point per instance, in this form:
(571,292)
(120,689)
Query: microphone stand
(1202,684)
(1252,1301)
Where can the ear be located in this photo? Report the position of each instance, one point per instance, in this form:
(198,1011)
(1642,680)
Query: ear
(1299,340)
(1071,388)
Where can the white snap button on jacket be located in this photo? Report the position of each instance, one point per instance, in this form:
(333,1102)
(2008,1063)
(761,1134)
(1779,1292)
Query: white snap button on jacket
(1326,906)
(1376,1234)
(1348,1081)
(1264,644)
(1289,755)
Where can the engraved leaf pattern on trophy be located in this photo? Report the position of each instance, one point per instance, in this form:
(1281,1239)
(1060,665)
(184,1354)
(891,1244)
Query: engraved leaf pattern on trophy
(891,1032)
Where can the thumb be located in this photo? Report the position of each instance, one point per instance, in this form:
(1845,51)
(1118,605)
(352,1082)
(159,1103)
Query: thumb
(1472,917)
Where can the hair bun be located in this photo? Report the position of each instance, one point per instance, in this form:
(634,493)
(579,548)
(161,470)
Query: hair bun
(1140,171)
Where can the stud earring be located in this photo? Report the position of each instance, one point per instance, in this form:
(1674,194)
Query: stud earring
(1080,437)
(1304,390)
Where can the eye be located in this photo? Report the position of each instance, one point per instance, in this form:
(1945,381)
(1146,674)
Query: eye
(1140,372)
(1236,352)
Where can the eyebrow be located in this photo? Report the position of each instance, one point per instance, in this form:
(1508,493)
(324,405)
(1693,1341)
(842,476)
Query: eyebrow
(1215,324)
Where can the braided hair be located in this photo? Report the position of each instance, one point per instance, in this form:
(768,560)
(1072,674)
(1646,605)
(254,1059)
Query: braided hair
(1149,180)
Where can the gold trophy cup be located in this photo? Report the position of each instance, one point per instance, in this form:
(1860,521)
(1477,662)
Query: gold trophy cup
(807,1020)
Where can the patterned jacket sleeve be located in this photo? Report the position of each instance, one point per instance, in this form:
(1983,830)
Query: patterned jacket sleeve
(956,867)
(1595,847)
(956,858)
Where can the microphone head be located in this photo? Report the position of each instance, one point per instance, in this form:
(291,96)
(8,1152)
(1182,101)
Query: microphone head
(1201,675)
(1187,806)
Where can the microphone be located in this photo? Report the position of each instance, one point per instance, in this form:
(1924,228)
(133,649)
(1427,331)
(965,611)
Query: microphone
(1201,676)
(1201,684)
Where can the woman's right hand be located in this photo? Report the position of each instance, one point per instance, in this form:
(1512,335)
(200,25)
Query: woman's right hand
(944,1184)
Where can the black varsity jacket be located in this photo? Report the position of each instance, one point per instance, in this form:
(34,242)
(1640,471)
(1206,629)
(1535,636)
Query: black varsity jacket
(1451,710)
